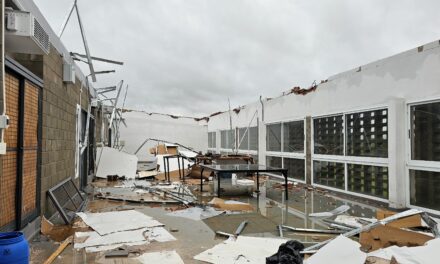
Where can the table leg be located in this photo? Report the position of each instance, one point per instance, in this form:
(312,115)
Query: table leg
(178,166)
(183,166)
(201,180)
(258,182)
(168,169)
(165,168)
(218,184)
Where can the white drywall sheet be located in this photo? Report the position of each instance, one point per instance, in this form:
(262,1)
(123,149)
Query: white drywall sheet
(163,257)
(340,250)
(243,250)
(112,222)
(114,162)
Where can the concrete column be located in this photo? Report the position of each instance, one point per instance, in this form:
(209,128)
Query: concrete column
(308,149)
(396,153)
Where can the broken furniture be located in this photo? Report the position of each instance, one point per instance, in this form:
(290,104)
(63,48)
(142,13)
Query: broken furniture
(181,169)
(67,199)
(242,168)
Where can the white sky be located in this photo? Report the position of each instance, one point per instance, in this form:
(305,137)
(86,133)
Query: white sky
(188,56)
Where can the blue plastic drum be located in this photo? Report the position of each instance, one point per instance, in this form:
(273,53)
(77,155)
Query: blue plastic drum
(14,248)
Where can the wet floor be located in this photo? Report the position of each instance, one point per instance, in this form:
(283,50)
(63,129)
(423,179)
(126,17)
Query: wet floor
(193,237)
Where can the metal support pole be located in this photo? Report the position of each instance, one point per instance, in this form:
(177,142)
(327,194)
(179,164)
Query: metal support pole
(178,165)
(258,182)
(218,184)
(201,180)
(286,185)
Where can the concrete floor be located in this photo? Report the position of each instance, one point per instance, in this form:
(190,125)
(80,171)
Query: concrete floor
(193,237)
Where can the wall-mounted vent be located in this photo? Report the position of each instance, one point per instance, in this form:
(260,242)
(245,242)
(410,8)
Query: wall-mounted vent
(68,72)
(40,36)
(24,34)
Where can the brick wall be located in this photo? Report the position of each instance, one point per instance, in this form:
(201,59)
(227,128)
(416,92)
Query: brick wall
(59,121)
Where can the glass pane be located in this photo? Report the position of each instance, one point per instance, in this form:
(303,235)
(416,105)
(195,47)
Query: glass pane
(295,168)
(367,133)
(370,180)
(231,139)
(214,139)
(328,135)
(425,132)
(243,138)
(425,189)
(253,138)
(223,136)
(293,136)
(209,140)
(273,161)
(273,137)
(330,174)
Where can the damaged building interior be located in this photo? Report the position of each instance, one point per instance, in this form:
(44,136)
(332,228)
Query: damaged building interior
(346,170)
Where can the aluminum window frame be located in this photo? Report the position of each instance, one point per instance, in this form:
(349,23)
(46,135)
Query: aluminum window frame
(292,155)
(419,165)
(371,161)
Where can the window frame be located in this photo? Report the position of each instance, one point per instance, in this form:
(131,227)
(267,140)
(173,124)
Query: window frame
(418,165)
(359,160)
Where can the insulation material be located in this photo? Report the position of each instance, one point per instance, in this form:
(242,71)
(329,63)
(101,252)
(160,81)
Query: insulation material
(427,254)
(196,213)
(411,221)
(242,250)
(111,222)
(163,257)
(147,174)
(341,250)
(230,205)
(114,162)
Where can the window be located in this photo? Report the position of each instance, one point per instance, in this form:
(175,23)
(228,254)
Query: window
(367,134)
(328,135)
(425,132)
(253,138)
(243,138)
(248,138)
(212,139)
(227,139)
(295,168)
(274,161)
(273,137)
(425,189)
(231,139)
(330,174)
(293,136)
(366,179)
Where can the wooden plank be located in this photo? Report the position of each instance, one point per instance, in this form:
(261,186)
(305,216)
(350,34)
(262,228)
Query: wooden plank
(59,250)
(407,222)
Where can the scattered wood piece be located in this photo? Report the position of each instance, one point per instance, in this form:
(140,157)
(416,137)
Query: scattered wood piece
(59,250)
(385,236)
(230,206)
(407,222)
(56,233)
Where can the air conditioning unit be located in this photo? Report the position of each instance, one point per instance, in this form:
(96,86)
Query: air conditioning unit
(24,34)
(68,72)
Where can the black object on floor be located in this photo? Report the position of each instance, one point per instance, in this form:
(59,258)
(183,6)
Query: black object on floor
(288,253)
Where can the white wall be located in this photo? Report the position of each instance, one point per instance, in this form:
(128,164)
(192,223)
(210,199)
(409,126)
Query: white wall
(140,126)
(393,82)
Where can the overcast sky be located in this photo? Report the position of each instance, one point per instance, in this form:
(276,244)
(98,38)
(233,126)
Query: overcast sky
(189,56)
